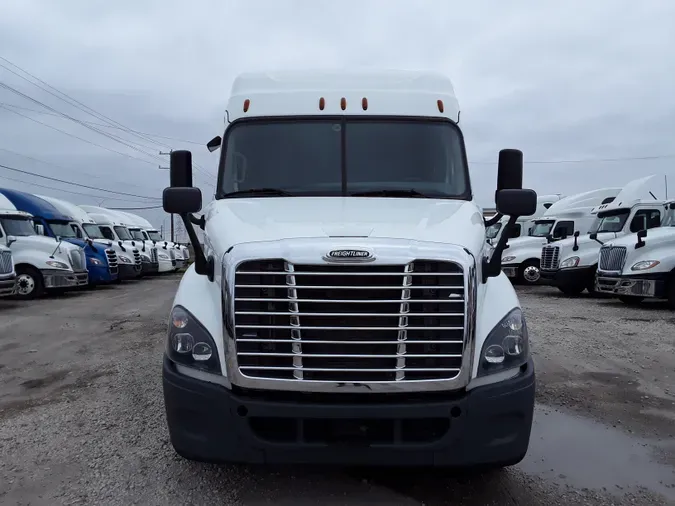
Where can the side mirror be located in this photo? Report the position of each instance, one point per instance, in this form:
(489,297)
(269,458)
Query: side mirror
(576,233)
(214,144)
(516,202)
(181,168)
(182,200)
(510,172)
(640,236)
(40,229)
(10,240)
(593,236)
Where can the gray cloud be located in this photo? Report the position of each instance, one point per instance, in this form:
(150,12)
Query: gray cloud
(572,80)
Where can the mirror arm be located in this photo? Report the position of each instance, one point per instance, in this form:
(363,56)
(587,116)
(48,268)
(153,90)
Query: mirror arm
(202,265)
(492,267)
(200,222)
(493,220)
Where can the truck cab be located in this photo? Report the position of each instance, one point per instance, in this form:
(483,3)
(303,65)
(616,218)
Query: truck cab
(41,263)
(524,224)
(521,259)
(640,265)
(7,272)
(50,222)
(343,308)
(130,259)
(571,264)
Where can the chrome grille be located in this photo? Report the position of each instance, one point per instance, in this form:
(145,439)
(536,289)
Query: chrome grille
(137,257)
(186,254)
(612,258)
(550,257)
(6,265)
(153,255)
(172,254)
(351,323)
(112,257)
(78,259)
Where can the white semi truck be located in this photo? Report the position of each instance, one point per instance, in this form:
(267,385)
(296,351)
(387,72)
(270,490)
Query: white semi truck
(570,264)
(524,224)
(7,272)
(521,258)
(343,308)
(640,266)
(41,263)
(132,260)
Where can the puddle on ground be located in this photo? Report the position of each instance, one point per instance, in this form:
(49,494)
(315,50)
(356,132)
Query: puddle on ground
(581,453)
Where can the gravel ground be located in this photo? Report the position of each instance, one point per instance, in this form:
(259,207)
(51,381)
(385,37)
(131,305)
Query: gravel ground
(82,422)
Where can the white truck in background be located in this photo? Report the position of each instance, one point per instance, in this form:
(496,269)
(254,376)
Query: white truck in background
(570,264)
(131,260)
(142,229)
(524,224)
(640,266)
(521,258)
(7,272)
(41,263)
(343,309)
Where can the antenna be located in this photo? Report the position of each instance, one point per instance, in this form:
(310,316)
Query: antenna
(665,176)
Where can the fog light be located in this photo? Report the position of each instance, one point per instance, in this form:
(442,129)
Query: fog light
(513,345)
(494,354)
(202,352)
(179,318)
(183,343)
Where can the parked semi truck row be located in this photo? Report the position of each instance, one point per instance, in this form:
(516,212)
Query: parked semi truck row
(344,292)
(521,258)
(523,225)
(571,264)
(40,263)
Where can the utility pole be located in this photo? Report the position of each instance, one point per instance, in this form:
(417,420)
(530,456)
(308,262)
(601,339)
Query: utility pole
(167,168)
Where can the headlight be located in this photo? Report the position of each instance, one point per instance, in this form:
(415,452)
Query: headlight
(569,262)
(508,259)
(644,265)
(190,344)
(57,265)
(164,256)
(125,260)
(94,261)
(507,345)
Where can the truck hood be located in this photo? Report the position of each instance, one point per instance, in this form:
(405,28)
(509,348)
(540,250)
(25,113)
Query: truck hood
(524,244)
(44,243)
(655,237)
(236,221)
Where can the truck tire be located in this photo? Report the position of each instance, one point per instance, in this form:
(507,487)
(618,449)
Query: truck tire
(670,291)
(29,283)
(590,283)
(529,274)
(631,300)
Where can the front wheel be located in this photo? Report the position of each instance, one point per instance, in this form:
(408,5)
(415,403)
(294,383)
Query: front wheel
(590,283)
(529,273)
(671,291)
(631,300)
(29,283)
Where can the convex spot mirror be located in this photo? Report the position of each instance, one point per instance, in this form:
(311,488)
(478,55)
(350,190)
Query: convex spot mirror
(182,200)
(516,202)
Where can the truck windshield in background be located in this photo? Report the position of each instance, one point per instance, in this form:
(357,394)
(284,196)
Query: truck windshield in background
(493,230)
(137,234)
(62,229)
(122,233)
(542,228)
(154,235)
(611,222)
(343,157)
(20,227)
(93,231)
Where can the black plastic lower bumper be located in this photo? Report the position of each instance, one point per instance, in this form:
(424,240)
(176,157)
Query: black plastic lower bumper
(7,286)
(150,268)
(129,271)
(575,276)
(488,425)
(636,285)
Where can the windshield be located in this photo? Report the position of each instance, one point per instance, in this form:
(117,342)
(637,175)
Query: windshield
(136,234)
(122,233)
(493,230)
(669,218)
(19,227)
(612,222)
(62,229)
(342,156)
(93,231)
(542,228)
(154,235)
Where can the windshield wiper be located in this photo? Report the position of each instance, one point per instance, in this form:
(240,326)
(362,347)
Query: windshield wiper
(390,193)
(274,192)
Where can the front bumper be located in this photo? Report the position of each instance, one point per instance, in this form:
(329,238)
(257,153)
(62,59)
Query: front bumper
(511,270)
(150,268)
(573,276)
(489,425)
(129,271)
(100,274)
(7,285)
(65,279)
(636,285)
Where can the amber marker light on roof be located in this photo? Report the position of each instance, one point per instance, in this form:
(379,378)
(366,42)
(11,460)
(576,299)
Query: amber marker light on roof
(322,103)
(343,103)
(364,103)
(247,103)
(441,108)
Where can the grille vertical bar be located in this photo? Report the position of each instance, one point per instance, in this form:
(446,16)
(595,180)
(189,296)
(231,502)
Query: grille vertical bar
(6,265)
(612,258)
(550,257)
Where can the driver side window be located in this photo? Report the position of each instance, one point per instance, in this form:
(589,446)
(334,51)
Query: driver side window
(645,219)
(563,228)
(107,233)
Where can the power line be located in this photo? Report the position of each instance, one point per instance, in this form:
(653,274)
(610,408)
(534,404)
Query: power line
(14,169)
(69,100)
(133,208)
(586,160)
(30,183)
(105,126)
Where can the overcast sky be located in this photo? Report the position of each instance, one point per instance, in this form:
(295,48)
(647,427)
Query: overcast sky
(574,80)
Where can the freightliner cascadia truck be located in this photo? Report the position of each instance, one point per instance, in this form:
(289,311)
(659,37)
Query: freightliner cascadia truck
(345,307)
